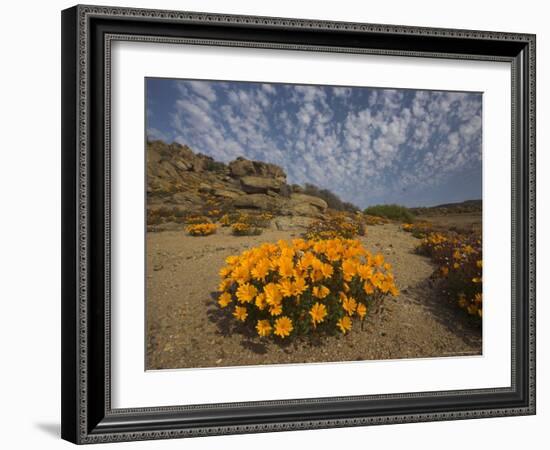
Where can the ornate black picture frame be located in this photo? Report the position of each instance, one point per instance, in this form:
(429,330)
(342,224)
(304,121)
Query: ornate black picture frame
(87,34)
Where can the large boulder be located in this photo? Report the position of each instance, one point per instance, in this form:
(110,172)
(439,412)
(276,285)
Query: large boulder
(205,188)
(185,198)
(304,209)
(292,223)
(260,185)
(304,205)
(316,202)
(257,201)
(183,165)
(242,167)
(226,193)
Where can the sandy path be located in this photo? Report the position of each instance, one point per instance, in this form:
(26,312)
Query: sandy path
(185,327)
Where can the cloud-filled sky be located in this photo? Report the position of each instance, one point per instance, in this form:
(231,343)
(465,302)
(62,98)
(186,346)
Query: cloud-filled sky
(368,145)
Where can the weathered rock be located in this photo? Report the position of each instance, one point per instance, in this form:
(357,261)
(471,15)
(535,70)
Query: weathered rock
(205,188)
(226,193)
(292,223)
(259,185)
(186,197)
(242,167)
(298,199)
(198,165)
(182,165)
(303,205)
(178,177)
(257,201)
(169,170)
(305,209)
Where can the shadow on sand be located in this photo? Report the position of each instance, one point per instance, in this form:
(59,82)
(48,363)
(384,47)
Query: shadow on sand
(429,294)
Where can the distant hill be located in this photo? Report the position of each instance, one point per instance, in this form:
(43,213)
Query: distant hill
(467,206)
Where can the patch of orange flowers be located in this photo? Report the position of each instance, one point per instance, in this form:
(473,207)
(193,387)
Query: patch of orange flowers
(375,220)
(245,229)
(337,225)
(202,229)
(418,229)
(460,265)
(301,287)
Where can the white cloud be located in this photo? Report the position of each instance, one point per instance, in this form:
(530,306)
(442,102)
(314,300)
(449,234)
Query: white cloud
(269,88)
(155,134)
(368,145)
(341,92)
(204,89)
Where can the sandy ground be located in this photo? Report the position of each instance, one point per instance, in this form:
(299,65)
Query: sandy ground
(186,328)
(464,222)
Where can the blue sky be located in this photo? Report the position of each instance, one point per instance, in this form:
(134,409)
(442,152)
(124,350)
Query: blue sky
(368,145)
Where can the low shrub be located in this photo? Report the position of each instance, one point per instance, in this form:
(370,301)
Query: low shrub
(202,229)
(304,287)
(245,229)
(374,220)
(418,229)
(229,218)
(190,220)
(166,214)
(262,220)
(335,226)
(214,213)
(392,212)
(153,217)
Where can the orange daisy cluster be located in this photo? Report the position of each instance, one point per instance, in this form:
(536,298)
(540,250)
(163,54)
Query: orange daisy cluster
(460,264)
(300,287)
(202,229)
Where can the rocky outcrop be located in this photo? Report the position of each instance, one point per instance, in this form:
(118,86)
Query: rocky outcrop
(185,181)
(242,167)
(316,202)
(260,185)
(227,193)
(258,201)
(182,198)
(292,223)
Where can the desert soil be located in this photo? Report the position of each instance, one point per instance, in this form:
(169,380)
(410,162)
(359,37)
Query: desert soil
(186,328)
(463,222)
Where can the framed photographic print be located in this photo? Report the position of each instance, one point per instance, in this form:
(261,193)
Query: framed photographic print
(282,224)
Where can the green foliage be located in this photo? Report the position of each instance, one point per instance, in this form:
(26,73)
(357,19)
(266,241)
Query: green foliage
(392,212)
